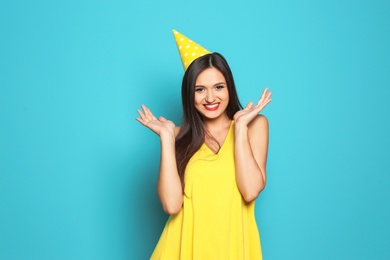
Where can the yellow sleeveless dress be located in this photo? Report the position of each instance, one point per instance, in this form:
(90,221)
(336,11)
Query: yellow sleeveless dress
(215,223)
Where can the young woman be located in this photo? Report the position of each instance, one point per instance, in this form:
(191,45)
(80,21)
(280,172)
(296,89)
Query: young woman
(212,168)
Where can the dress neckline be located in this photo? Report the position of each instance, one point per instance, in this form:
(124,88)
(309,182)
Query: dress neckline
(224,141)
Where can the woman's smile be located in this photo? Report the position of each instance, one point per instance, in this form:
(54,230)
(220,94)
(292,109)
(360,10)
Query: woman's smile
(211,107)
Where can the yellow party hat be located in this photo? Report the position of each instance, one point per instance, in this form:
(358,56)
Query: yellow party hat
(189,50)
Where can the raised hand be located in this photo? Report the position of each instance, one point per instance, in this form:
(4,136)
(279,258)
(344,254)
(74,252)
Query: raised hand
(246,115)
(160,126)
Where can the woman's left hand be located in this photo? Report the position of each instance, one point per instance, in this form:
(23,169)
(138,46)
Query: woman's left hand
(246,115)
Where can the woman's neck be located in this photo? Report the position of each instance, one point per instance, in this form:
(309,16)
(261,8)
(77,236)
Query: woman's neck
(217,123)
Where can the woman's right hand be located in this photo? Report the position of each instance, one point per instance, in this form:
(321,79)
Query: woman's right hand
(160,126)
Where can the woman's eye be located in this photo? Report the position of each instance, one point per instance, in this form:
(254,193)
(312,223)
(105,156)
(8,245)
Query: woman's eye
(198,89)
(219,87)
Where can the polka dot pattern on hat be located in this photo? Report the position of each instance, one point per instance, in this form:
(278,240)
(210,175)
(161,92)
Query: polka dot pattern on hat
(188,49)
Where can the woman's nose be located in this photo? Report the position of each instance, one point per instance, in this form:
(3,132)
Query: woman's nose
(210,97)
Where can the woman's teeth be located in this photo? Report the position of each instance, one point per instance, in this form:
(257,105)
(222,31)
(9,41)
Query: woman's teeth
(212,106)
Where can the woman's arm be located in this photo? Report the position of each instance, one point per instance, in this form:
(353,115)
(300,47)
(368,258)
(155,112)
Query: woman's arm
(169,187)
(251,148)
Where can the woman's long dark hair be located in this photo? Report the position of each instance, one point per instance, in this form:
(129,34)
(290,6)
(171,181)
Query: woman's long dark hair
(192,132)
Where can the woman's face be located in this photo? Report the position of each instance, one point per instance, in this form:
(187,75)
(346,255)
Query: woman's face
(211,94)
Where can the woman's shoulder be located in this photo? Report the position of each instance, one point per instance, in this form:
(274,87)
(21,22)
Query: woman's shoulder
(258,124)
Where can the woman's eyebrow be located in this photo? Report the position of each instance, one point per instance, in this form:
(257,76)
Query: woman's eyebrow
(219,83)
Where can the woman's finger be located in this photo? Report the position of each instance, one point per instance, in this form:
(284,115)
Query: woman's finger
(150,114)
(264,104)
(141,121)
(141,114)
(249,105)
(263,96)
(146,110)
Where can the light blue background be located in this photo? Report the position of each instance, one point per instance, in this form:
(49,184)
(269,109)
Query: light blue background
(78,172)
